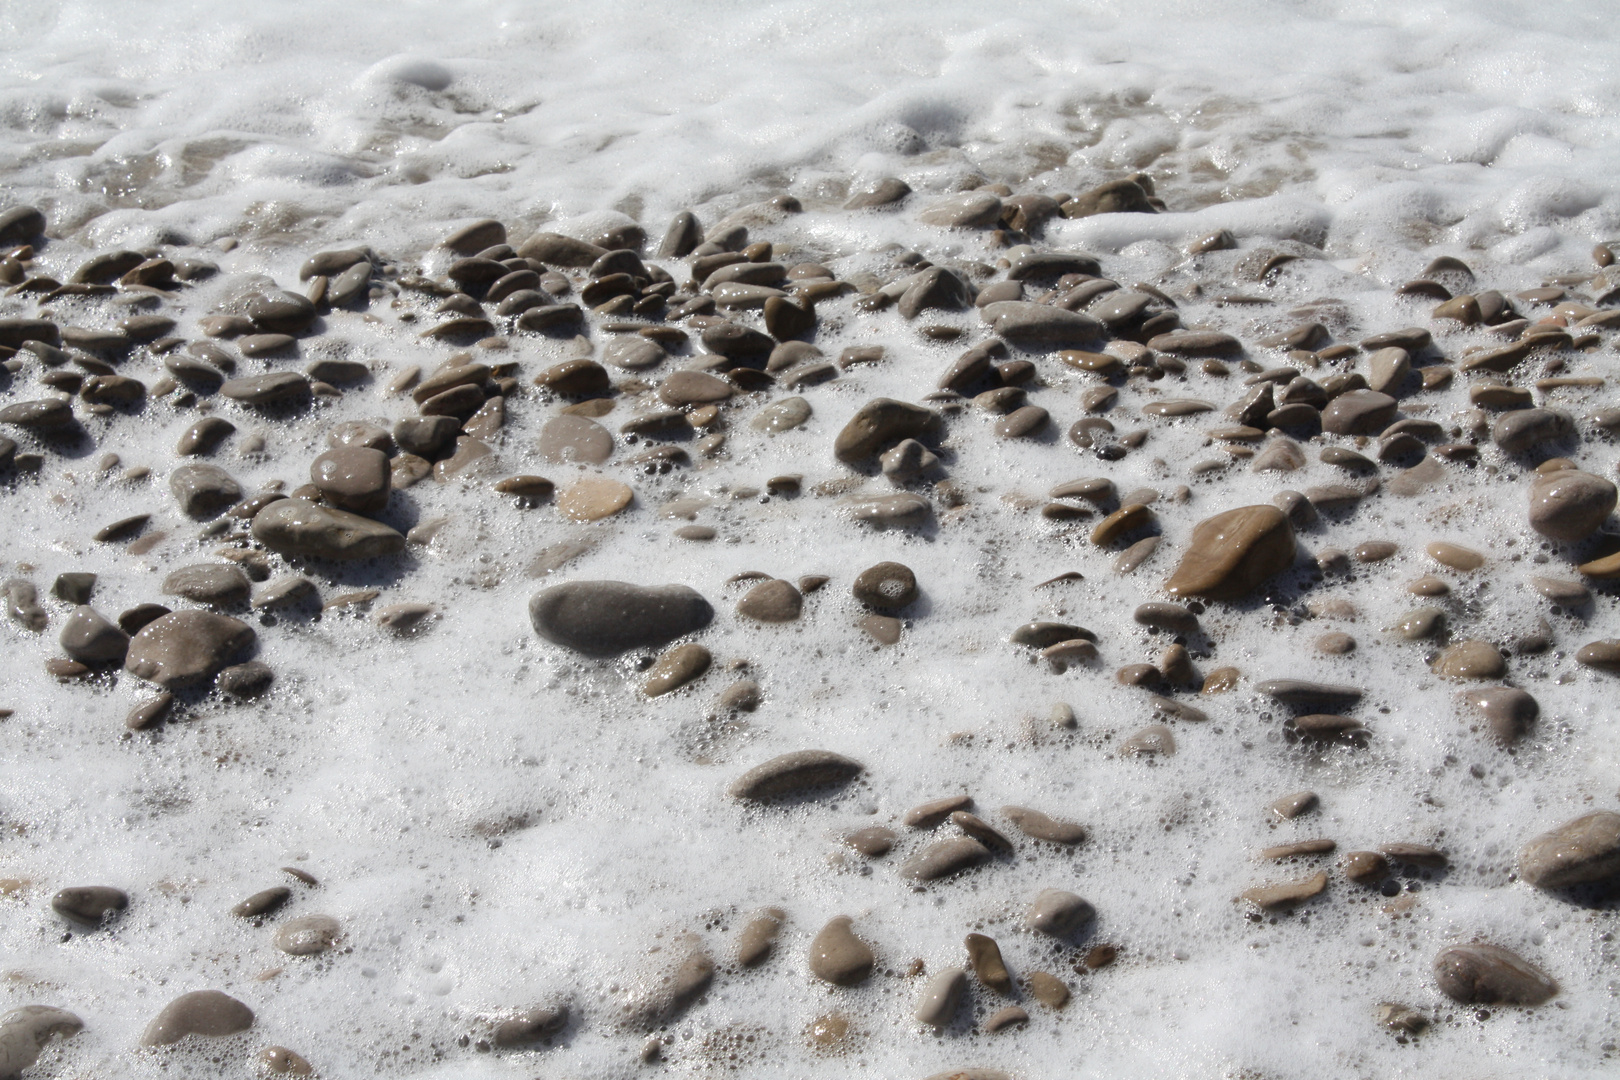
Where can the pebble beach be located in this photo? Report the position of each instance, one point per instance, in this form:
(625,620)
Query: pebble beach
(800,540)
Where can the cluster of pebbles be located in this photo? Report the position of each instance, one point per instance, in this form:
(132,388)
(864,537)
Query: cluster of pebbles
(620,372)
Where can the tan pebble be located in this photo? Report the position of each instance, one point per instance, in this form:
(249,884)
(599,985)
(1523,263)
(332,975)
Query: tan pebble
(1048,989)
(1586,849)
(1291,806)
(773,601)
(1416,854)
(1221,680)
(1039,826)
(1455,556)
(1374,551)
(795,773)
(591,498)
(1272,897)
(945,858)
(1231,554)
(675,667)
(838,956)
(758,938)
(980,830)
(1299,848)
(1125,520)
(285,1062)
(202,1012)
(1470,660)
(883,629)
(1365,867)
(307,935)
(874,841)
(985,957)
(1483,974)
(1001,1019)
(827,1033)
(1428,585)
(941,997)
(1100,956)
(1335,643)
(1058,913)
(1155,739)
(929,814)
(1508,710)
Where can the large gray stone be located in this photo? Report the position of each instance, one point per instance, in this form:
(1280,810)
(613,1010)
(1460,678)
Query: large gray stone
(300,527)
(605,618)
(184,648)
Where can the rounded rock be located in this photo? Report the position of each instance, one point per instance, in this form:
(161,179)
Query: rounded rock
(352,478)
(1570,505)
(795,773)
(89,905)
(606,618)
(300,527)
(839,957)
(1577,852)
(1484,974)
(773,601)
(208,1013)
(185,648)
(1231,554)
(307,935)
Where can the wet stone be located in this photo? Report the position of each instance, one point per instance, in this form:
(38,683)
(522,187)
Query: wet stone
(1288,894)
(591,498)
(1365,867)
(1155,739)
(25,1032)
(1231,554)
(984,955)
(1359,412)
(208,1013)
(353,478)
(1570,505)
(1508,711)
(945,858)
(202,490)
(1048,989)
(89,905)
(780,416)
(215,584)
(1039,826)
(941,997)
(675,667)
(1484,974)
(90,639)
(838,956)
(796,773)
(606,618)
(1523,430)
(1584,850)
(880,423)
(185,648)
(277,388)
(247,680)
(874,841)
(1470,660)
(1058,913)
(569,438)
(262,902)
(307,935)
(1292,806)
(772,601)
(299,527)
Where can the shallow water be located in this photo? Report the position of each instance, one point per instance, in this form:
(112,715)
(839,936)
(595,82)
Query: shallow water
(498,824)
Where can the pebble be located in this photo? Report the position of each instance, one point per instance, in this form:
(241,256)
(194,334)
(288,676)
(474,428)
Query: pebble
(90,905)
(885,192)
(1525,429)
(981,830)
(1302,692)
(89,638)
(1358,412)
(1455,556)
(1035,824)
(526,1028)
(262,902)
(214,584)
(571,438)
(1483,974)
(74,586)
(758,937)
(591,498)
(300,527)
(208,1013)
(968,210)
(307,935)
(1470,660)
(1009,1017)
(245,680)
(675,667)
(945,858)
(277,388)
(1586,849)
(780,416)
(1365,867)
(203,490)
(186,648)
(1292,806)
(606,618)
(931,813)
(1048,989)
(889,510)
(1272,897)
(1040,328)
(794,774)
(880,423)
(44,414)
(874,841)
(1231,554)
(839,957)
(1058,914)
(150,712)
(772,601)
(1155,739)
(352,478)
(1417,625)
(24,1032)
(1299,848)
(941,997)
(985,957)
(1508,710)
(744,695)
(1570,505)
(888,586)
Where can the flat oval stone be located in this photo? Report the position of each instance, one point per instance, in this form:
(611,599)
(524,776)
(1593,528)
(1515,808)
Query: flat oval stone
(605,618)
(203,490)
(1455,556)
(931,813)
(1231,554)
(941,996)
(215,584)
(1153,739)
(888,586)
(1484,974)
(202,1012)
(1023,423)
(353,478)
(570,438)
(903,509)
(1121,523)
(281,312)
(633,353)
(88,637)
(838,956)
(1301,692)
(692,388)
(1058,913)
(89,905)
(772,601)
(300,527)
(794,774)
(591,498)
(185,648)
(1570,505)
(1525,429)
(780,416)
(1287,894)
(1196,343)
(276,388)
(307,935)
(1584,850)
(25,1031)
(676,667)
(1508,710)
(944,858)
(45,414)
(262,902)
(970,209)
(758,937)
(1470,660)
(1035,824)
(874,841)
(1359,412)
(1041,327)
(246,680)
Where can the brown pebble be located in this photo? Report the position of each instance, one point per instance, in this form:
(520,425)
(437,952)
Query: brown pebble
(1292,806)
(1299,848)
(1335,643)
(758,937)
(1001,1019)
(1472,660)
(1288,894)
(1455,556)
(1231,554)
(1483,974)
(1365,867)
(874,841)
(929,814)
(1048,989)
(985,957)
(839,957)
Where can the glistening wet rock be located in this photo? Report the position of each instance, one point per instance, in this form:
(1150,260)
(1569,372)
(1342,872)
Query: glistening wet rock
(1231,554)
(605,618)
(208,1013)
(795,773)
(185,648)
(300,527)
(24,1033)
(1483,974)
(1584,850)
(838,956)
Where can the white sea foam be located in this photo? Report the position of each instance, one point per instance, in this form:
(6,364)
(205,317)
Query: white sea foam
(1384,134)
